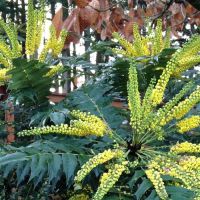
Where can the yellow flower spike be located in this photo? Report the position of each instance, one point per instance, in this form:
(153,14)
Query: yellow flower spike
(184,168)
(35,23)
(190,163)
(191,48)
(185,147)
(138,44)
(95,161)
(39,28)
(158,39)
(11,32)
(167,39)
(60,44)
(155,178)
(184,106)
(91,125)
(40,18)
(143,45)
(146,103)
(5,50)
(129,48)
(134,97)
(5,62)
(166,109)
(53,45)
(44,53)
(108,180)
(54,70)
(30,29)
(81,196)
(158,92)
(188,124)
(186,63)
(3,77)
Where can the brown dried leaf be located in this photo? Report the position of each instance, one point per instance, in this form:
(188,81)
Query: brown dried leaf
(82,3)
(58,21)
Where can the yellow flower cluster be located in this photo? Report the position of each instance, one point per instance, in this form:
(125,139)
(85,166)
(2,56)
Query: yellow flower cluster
(188,124)
(155,178)
(11,32)
(185,147)
(158,92)
(166,109)
(3,77)
(109,179)
(54,44)
(167,39)
(140,43)
(94,124)
(134,97)
(91,125)
(54,70)
(188,56)
(34,29)
(190,163)
(129,49)
(143,45)
(184,168)
(81,196)
(186,63)
(4,61)
(184,106)
(30,29)
(158,44)
(95,161)
(6,52)
(189,50)
(40,19)
(146,102)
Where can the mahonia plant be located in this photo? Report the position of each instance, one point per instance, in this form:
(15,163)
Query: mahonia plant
(151,121)
(11,48)
(151,44)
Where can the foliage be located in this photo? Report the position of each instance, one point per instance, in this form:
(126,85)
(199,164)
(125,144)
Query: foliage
(48,147)
(54,158)
(28,81)
(144,148)
(34,30)
(143,156)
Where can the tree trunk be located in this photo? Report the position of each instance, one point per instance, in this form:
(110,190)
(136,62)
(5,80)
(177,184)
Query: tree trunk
(23,20)
(12,11)
(66,52)
(99,57)
(52,4)
(87,45)
(17,12)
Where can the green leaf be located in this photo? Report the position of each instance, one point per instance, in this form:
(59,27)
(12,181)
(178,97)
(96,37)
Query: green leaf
(54,166)
(57,117)
(152,196)
(28,81)
(138,174)
(24,172)
(8,169)
(143,188)
(69,166)
(177,193)
(15,157)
